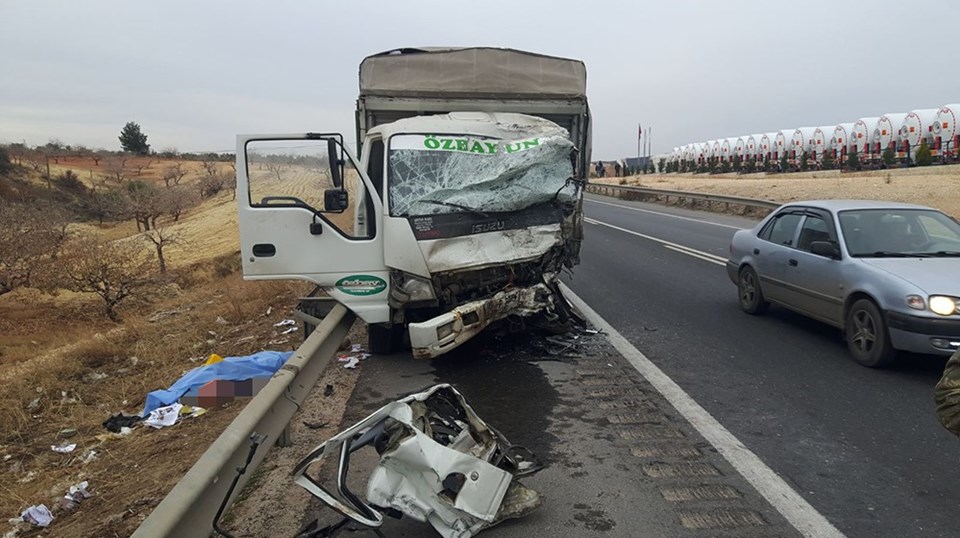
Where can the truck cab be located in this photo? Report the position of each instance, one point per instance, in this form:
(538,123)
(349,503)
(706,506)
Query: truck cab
(447,222)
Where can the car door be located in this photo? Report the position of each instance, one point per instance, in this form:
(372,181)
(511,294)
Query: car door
(775,244)
(813,282)
(296,223)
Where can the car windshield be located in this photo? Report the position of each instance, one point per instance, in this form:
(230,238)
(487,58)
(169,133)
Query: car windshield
(880,233)
(434,174)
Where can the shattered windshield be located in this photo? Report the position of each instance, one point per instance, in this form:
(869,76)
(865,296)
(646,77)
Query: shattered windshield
(434,174)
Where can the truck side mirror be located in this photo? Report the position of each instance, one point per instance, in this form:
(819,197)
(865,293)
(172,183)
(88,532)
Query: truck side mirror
(335,176)
(335,200)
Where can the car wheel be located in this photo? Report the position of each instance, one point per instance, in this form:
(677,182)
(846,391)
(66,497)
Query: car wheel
(748,290)
(867,336)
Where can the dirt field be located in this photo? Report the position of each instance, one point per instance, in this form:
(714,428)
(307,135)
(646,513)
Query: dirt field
(936,186)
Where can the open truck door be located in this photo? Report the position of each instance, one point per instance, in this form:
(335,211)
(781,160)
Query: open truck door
(307,211)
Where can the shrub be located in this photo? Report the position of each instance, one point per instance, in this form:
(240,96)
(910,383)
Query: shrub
(889,157)
(853,160)
(923,157)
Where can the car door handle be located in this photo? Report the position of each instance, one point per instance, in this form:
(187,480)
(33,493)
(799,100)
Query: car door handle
(756,251)
(792,262)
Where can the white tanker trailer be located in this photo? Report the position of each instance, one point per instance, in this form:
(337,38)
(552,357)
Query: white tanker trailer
(841,141)
(863,137)
(946,136)
(917,127)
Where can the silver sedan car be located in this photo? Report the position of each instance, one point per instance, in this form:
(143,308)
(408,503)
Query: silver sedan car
(887,274)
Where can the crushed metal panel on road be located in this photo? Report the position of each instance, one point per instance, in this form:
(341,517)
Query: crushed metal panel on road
(439,463)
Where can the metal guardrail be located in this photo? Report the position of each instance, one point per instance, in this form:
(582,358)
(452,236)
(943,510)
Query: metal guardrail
(625,192)
(188,510)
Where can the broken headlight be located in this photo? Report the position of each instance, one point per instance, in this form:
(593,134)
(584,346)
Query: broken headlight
(411,288)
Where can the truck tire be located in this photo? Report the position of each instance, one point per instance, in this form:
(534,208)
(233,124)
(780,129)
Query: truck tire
(381,339)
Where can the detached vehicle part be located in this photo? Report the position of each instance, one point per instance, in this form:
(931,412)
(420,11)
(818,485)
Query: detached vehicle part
(439,463)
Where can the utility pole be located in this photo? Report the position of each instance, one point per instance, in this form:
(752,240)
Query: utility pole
(639,138)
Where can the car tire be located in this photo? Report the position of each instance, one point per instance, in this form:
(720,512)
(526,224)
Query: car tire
(867,337)
(749,293)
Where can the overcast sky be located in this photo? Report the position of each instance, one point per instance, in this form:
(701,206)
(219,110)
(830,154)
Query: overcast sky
(194,73)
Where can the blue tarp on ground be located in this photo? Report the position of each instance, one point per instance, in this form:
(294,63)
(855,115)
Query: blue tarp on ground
(262,364)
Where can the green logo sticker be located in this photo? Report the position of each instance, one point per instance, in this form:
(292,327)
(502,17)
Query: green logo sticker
(361,285)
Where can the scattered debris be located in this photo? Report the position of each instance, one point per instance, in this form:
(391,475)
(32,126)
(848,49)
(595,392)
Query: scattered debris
(285,323)
(38,515)
(290,330)
(328,390)
(64,448)
(439,463)
(34,403)
(162,417)
(74,496)
(124,431)
(119,421)
(66,433)
(88,456)
(351,363)
(221,321)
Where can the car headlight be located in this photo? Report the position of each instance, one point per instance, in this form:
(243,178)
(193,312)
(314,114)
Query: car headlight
(943,305)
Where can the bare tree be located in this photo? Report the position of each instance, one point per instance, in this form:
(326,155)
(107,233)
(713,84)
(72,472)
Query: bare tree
(115,170)
(17,152)
(178,199)
(162,237)
(140,165)
(174,174)
(35,159)
(97,156)
(210,166)
(144,204)
(29,237)
(276,167)
(113,270)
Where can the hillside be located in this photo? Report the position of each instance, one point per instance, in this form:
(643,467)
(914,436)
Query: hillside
(65,367)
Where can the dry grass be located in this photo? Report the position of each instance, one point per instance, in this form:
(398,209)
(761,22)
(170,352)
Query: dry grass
(936,186)
(64,367)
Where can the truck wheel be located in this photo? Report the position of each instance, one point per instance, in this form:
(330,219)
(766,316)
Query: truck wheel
(867,336)
(381,339)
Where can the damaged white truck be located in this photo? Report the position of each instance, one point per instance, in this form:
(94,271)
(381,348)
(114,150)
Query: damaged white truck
(462,209)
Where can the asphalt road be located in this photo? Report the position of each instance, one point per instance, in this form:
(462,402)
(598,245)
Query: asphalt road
(862,446)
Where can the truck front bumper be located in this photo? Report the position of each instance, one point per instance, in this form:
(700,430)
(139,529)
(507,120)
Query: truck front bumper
(447,331)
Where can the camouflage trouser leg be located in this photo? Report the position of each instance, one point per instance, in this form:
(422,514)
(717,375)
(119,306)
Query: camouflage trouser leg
(947,395)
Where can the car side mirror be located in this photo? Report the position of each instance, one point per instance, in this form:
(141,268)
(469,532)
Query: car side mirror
(830,249)
(335,200)
(332,155)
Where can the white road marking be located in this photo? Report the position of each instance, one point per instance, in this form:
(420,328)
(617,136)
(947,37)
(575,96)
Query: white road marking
(713,258)
(803,516)
(696,254)
(662,214)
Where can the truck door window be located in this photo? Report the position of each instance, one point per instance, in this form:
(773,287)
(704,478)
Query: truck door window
(375,166)
(296,173)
